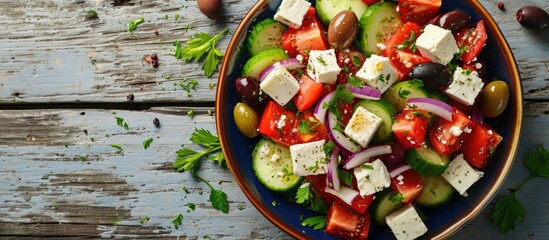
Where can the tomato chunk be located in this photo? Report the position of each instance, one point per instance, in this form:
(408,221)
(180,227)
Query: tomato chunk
(277,123)
(418,11)
(345,223)
(309,93)
(350,61)
(410,127)
(446,136)
(400,49)
(480,145)
(473,39)
(311,129)
(408,185)
(310,36)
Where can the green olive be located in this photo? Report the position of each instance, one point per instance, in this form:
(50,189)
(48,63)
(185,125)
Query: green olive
(494,98)
(246,119)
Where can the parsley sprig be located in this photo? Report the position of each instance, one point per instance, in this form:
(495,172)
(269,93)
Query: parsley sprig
(195,48)
(189,160)
(316,222)
(508,209)
(342,95)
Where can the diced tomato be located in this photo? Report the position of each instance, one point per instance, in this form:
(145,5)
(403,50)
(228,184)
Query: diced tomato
(315,130)
(350,61)
(309,92)
(477,66)
(473,39)
(360,204)
(445,136)
(345,223)
(346,109)
(410,127)
(480,145)
(418,11)
(310,36)
(318,184)
(269,124)
(399,51)
(408,184)
(370,2)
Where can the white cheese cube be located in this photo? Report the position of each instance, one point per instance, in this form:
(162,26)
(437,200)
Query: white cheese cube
(437,44)
(322,66)
(465,86)
(372,177)
(280,85)
(309,158)
(362,126)
(378,73)
(292,12)
(406,223)
(461,175)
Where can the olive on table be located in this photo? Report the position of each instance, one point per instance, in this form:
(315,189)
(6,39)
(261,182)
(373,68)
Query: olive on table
(533,17)
(454,20)
(210,8)
(246,119)
(433,75)
(343,30)
(494,98)
(248,90)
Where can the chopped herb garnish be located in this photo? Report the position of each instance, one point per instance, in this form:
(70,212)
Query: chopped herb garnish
(305,127)
(356,61)
(240,206)
(144,220)
(118,148)
(191,206)
(355,82)
(147,143)
(321,60)
(177,221)
(403,93)
(116,219)
(201,44)
(409,43)
(133,24)
(396,198)
(303,194)
(188,159)
(342,95)
(368,166)
(190,113)
(316,222)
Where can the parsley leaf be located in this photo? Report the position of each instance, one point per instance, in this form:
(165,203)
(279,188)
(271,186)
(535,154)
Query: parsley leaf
(316,222)
(345,177)
(218,198)
(147,143)
(403,93)
(133,24)
(305,128)
(144,220)
(509,210)
(409,43)
(118,148)
(356,61)
(177,221)
(188,159)
(355,82)
(396,198)
(342,95)
(195,48)
(303,194)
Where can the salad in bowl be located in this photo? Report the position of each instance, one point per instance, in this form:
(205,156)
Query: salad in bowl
(364,118)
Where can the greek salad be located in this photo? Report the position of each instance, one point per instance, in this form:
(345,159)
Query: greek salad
(366,109)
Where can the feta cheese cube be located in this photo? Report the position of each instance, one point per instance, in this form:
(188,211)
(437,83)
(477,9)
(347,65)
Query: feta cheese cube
(309,158)
(378,73)
(280,85)
(465,86)
(372,177)
(406,223)
(461,175)
(322,66)
(292,12)
(437,44)
(362,126)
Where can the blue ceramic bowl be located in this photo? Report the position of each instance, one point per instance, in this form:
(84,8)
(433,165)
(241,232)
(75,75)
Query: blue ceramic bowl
(442,222)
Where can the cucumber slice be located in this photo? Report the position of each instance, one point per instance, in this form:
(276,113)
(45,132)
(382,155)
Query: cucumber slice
(255,65)
(385,110)
(427,161)
(383,205)
(376,25)
(272,163)
(436,192)
(399,93)
(265,35)
(327,9)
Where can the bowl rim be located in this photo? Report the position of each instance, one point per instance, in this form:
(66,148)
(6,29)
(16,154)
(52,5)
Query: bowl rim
(517,96)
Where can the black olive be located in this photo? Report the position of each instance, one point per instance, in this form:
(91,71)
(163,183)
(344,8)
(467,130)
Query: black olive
(454,20)
(248,90)
(533,17)
(433,75)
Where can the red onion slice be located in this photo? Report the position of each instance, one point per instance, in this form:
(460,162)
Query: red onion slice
(289,64)
(363,156)
(365,92)
(399,169)
(346,194)
(341,141)
(437,107)
(320,111)
(397,155)
(332,175)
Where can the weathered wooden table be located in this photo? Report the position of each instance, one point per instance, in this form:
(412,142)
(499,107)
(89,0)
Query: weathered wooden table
(64,79)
